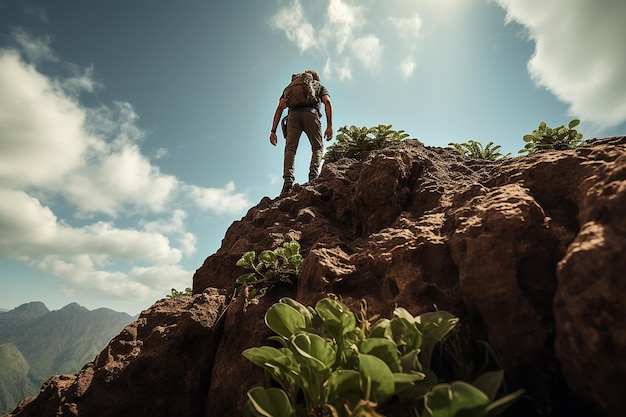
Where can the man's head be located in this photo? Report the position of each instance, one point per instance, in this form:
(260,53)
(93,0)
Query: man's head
(315,75)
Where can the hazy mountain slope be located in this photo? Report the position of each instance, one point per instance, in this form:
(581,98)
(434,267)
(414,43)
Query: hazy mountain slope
(48,343)
(14,381)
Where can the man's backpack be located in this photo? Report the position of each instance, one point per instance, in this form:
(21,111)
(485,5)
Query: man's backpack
(301,91)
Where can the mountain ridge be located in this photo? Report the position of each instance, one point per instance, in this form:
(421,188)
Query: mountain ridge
(50,342)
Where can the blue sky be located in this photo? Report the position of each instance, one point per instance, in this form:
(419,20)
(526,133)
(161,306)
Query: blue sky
(132,134)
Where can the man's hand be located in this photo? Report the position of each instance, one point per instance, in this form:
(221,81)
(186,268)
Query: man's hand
(273,138)
(328,134)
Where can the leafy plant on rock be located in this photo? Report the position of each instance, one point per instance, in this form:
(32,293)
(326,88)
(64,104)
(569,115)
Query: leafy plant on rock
(545,138)
(475,150)
(329,363)
(352,142)
(175,293)
(281,264)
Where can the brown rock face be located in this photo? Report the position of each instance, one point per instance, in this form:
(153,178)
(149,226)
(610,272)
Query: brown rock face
(158,366)
(528,252)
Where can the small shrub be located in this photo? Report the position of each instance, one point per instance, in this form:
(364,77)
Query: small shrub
(272,266)
(352,142)
(175,293)
(544,138)
(331,363)
(475,150)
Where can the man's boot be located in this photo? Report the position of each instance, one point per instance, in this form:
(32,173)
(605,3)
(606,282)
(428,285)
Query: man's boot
(287,187)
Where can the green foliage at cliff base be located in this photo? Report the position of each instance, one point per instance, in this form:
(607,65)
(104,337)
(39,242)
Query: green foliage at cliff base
(327,362)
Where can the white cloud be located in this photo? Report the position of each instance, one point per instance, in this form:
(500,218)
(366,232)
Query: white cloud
(35,49)
(368,51)
(343,20)
(42,138)
(175,226)
(120,180)
(579,53)
(219,200)
(139,285)
(339,37)
(160,153)
(408,28)
(292,22)
(83,258)
(343,69)
(80,201)
(30,231)
(407,67)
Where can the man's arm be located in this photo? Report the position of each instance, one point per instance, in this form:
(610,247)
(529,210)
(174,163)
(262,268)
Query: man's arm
(282,104)
(328,109)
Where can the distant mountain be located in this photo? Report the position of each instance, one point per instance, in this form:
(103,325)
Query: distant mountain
(36,343)
(15,381)
(22,314)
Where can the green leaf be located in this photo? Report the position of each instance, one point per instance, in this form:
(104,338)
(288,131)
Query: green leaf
(268,257)
(382,328)
(342,386)
(574,123)
(410,362)
(338,319)
(383,349)
(489,383)
(405,333)
(246,260)
(434,327)
(279,365)
(296,262)
(317,352)
(261,355)
(286,371)
(403,314)
(249,278)
(403,378)
(272,402)
(501,404)
(284,320)
(376,377)
(405,385)
(303,310)
(450,400)
(292,248)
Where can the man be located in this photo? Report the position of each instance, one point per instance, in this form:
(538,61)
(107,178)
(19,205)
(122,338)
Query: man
(303,118)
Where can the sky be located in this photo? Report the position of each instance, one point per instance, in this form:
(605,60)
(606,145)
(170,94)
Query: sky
(132,134)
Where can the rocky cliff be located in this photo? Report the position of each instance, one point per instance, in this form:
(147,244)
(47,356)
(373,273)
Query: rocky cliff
(528,252)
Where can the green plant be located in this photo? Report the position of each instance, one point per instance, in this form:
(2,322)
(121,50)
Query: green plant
(272,266)
(475,150)
(545,137)
(353,141)
(330,363)
(175,293)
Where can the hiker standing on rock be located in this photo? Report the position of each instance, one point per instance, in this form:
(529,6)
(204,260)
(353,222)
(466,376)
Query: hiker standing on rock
(303,97)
